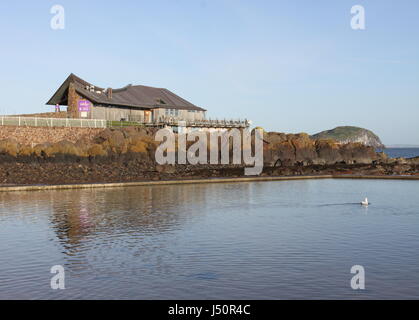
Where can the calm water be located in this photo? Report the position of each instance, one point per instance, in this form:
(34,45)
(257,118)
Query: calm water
(402,152)
(262,240)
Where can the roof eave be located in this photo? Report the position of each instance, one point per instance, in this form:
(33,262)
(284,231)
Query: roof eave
(65,83)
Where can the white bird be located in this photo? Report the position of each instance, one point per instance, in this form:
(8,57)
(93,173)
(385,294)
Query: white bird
(365,202)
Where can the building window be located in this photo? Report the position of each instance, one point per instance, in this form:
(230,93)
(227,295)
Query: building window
(172,112)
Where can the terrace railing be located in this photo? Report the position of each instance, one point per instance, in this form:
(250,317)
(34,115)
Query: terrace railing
(52,122)
(101,123)
(204,123)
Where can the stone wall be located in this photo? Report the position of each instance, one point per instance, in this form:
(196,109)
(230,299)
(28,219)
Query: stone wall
(73,98)
(38,135)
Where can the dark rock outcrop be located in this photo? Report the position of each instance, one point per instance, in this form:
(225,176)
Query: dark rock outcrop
(128,154)
(289,150)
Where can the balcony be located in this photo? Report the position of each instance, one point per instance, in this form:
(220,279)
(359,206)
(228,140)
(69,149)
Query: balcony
(204,123)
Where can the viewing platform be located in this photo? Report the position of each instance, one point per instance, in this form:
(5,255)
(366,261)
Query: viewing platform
(25,121)
(198,123)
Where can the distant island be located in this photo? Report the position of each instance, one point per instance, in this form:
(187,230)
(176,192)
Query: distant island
(348,134)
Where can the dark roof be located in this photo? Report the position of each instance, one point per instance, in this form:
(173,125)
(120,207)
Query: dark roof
(130,96)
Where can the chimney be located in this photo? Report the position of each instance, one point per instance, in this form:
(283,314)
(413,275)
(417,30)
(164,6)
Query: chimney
(109,92)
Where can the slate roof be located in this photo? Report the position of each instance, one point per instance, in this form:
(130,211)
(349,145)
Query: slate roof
(138,96)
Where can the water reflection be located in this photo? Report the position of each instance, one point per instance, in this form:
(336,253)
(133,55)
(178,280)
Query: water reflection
(232,241)
(92,221)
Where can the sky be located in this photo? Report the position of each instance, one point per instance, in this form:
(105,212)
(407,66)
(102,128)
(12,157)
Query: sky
(287,65)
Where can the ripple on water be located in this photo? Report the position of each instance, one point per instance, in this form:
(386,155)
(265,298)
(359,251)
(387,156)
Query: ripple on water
(270,240)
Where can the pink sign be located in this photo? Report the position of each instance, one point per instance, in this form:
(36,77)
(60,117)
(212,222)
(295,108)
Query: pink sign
(84,105)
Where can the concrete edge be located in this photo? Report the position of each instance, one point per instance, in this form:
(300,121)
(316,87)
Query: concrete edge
(343,176)
(194,181)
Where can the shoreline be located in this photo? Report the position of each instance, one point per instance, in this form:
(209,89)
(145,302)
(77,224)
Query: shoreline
(15,188)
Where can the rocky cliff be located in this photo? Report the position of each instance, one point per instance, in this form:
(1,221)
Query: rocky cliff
(349,134)
(128,154)
(280,149)
(291,149)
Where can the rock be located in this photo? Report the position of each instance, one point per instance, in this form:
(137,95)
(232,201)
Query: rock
(170,169)
(304,147)
(327,152)
(129,153)
(401,169)
(349,134)
(112,139)
(63,147)
(357,153)
(274,137)
(39,149)
(25,151)
(413,160)
(103,136)
(138,145)
(9,146)
(301,149)
(96,150)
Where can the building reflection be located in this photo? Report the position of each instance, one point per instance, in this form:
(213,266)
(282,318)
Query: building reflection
(95,224)
(81,215)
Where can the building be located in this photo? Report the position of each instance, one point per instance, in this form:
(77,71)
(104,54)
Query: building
(134,103)
(137,103)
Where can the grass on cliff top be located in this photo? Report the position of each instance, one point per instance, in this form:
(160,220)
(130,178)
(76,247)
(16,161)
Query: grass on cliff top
(123,124)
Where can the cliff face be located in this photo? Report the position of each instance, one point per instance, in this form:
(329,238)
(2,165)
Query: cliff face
(299,149)
(128,154)
(128,143)
(351,134)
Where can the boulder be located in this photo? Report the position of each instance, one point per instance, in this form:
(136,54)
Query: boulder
(64,148)
(327,152)
(9,146)
(96,150)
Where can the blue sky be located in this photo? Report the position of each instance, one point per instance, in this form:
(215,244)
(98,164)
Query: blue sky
(288,65)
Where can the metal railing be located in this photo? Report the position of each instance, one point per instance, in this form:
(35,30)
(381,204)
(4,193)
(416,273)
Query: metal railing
(206,123)
(52,122)
(101,123)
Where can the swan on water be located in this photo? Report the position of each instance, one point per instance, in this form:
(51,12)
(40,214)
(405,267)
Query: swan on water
(365,202)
